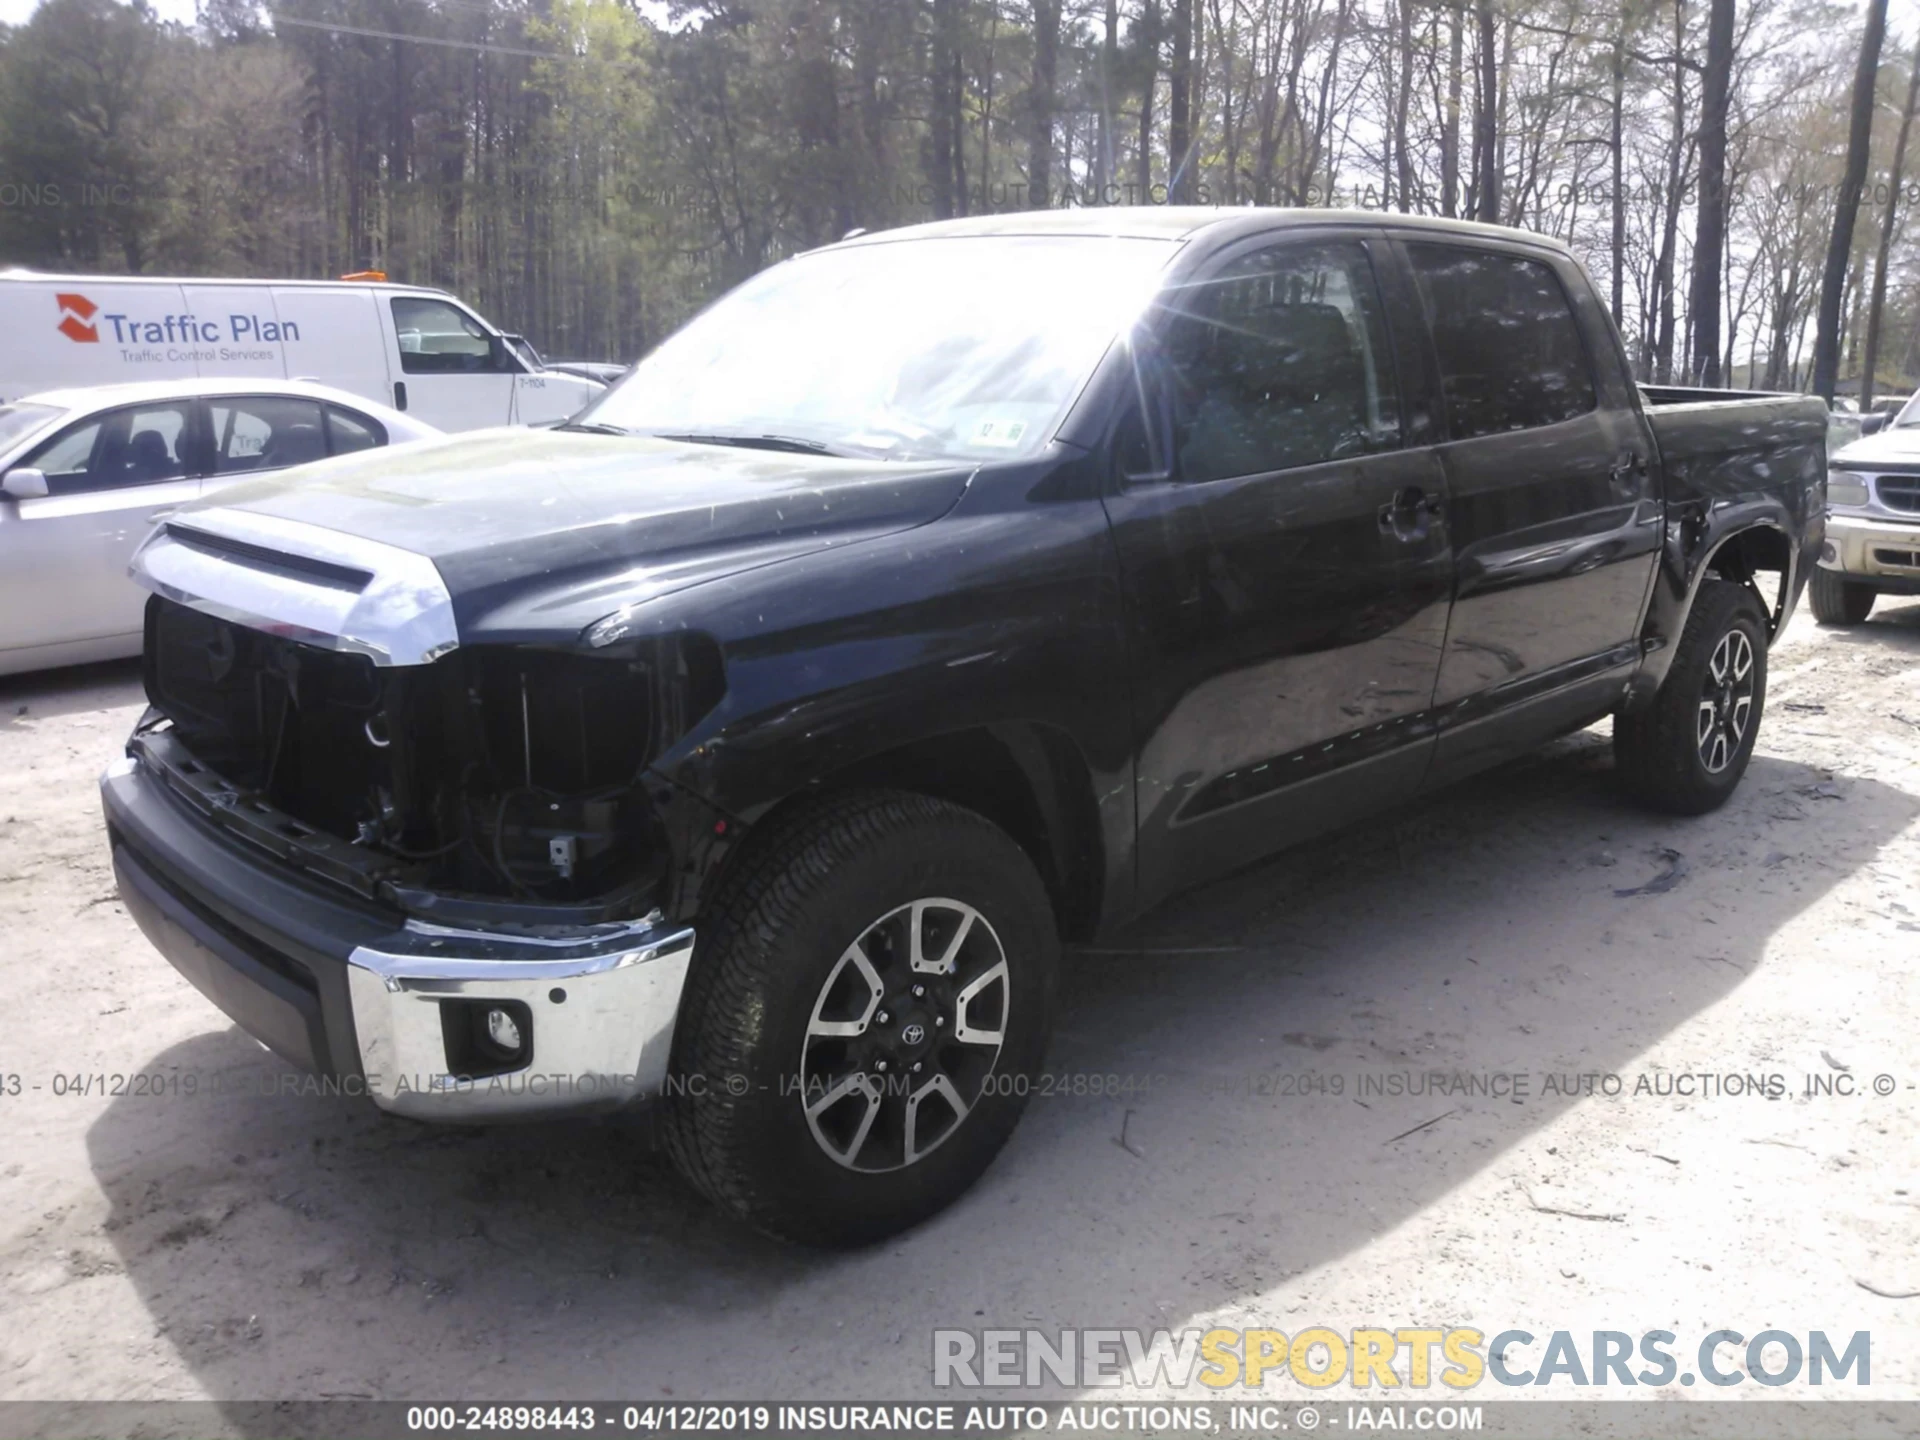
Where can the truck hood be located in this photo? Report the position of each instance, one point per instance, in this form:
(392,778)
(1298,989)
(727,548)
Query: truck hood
(531,533)
(1889,447)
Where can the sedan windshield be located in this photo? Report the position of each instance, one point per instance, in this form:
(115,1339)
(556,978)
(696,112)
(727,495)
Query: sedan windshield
(964,348)
(1909,416)
(20,420)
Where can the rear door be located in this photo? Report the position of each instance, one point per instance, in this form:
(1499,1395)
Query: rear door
(1285,559)
(1555,507)
(249,435)
(453,371)
(63,557)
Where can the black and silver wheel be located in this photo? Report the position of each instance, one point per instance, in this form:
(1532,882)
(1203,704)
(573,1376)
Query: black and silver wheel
(1837,600)
(869,998)
(1725,712)
(1685,751)
(905,1034)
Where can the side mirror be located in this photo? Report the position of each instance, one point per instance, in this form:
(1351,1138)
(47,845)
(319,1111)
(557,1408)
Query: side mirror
(24,483)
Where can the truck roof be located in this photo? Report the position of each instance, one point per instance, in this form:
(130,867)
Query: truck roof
(1186,221)
(18,273)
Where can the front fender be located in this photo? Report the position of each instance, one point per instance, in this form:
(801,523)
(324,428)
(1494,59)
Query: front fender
(1005,611)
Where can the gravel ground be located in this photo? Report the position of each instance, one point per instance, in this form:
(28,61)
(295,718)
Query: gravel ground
(267,1244)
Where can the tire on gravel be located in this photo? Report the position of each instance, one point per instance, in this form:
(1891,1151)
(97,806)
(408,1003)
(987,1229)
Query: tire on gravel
(1657,748)
(812,882)
(1837,600)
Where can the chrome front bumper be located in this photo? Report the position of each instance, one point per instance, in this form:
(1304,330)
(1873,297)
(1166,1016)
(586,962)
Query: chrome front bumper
(1870,548)
(601,1006)
(328,984)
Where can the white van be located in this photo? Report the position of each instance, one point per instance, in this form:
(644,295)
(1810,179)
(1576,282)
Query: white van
(420,351)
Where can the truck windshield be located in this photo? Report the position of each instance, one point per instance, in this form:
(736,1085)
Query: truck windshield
(20,420)
(963,348)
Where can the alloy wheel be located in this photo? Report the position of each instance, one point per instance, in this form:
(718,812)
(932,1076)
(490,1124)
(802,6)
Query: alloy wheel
(1726,702)
(904,1034)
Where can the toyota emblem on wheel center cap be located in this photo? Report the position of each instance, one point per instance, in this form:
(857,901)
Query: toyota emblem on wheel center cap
(913,1033)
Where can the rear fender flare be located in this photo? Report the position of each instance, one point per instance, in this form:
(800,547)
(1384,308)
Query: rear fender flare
(1698,548)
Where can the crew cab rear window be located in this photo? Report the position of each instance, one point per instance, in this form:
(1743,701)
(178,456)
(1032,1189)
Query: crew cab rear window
(1510,352)
(1280,360)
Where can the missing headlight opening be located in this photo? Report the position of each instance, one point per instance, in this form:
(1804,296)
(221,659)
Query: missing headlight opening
(505,771)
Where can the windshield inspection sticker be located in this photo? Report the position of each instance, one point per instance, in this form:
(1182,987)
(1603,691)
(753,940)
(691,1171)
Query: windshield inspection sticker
(1005,433)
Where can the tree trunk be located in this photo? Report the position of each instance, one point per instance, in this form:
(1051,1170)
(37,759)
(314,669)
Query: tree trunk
(1143,158)
(1833,280)
(1877,305)
(1616,153)
(1703,306)
(1103,166)
(1486,119)
(1664,282)
(1180,105)
(1046,51)
(1402,106)
(943,109)
(1450,130)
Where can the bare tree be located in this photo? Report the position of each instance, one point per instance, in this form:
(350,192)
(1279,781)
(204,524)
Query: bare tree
(1486,118)
(1040,101)
(1710,234)
(1877,305)
(1833,280)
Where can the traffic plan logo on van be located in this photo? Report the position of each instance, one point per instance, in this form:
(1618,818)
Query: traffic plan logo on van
(76,316)
(76,313)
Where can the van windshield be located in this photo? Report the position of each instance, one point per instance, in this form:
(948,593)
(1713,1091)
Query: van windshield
(968,347)
(19,420)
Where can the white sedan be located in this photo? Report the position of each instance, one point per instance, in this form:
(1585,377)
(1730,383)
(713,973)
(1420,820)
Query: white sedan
(84,474)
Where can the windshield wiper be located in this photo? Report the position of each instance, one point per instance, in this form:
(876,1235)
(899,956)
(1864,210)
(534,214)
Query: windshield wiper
(593,427)
(789,443)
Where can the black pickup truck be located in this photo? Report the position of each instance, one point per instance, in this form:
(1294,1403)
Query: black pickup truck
(752,743)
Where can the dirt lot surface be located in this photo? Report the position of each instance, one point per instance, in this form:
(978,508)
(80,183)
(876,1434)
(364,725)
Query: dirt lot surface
(261,1245)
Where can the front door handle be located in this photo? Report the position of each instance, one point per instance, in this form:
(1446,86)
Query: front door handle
(1626,467)
(399,394)
(1405,516)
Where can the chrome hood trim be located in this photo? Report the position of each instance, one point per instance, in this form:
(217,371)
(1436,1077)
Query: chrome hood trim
(303,582)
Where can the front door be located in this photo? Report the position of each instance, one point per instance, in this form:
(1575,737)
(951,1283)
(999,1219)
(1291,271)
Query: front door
(63,557)
(1285,562)
(452,371)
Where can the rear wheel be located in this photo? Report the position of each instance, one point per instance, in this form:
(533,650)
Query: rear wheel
(871,995)
(1685,752)
(1837,600)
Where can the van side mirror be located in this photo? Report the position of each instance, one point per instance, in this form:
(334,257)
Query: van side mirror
(24,483)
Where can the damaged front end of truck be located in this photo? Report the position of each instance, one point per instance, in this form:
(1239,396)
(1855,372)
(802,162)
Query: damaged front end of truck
(484,821)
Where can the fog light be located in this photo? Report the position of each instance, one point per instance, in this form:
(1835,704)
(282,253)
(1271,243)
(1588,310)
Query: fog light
(502,1030)
(486,1037)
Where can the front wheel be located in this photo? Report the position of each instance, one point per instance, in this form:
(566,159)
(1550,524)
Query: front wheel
(1837,600)
(868,1002)
(1685,751)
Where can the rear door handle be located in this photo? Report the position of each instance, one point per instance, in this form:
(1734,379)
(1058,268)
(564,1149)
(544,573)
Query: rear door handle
(1628,465)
